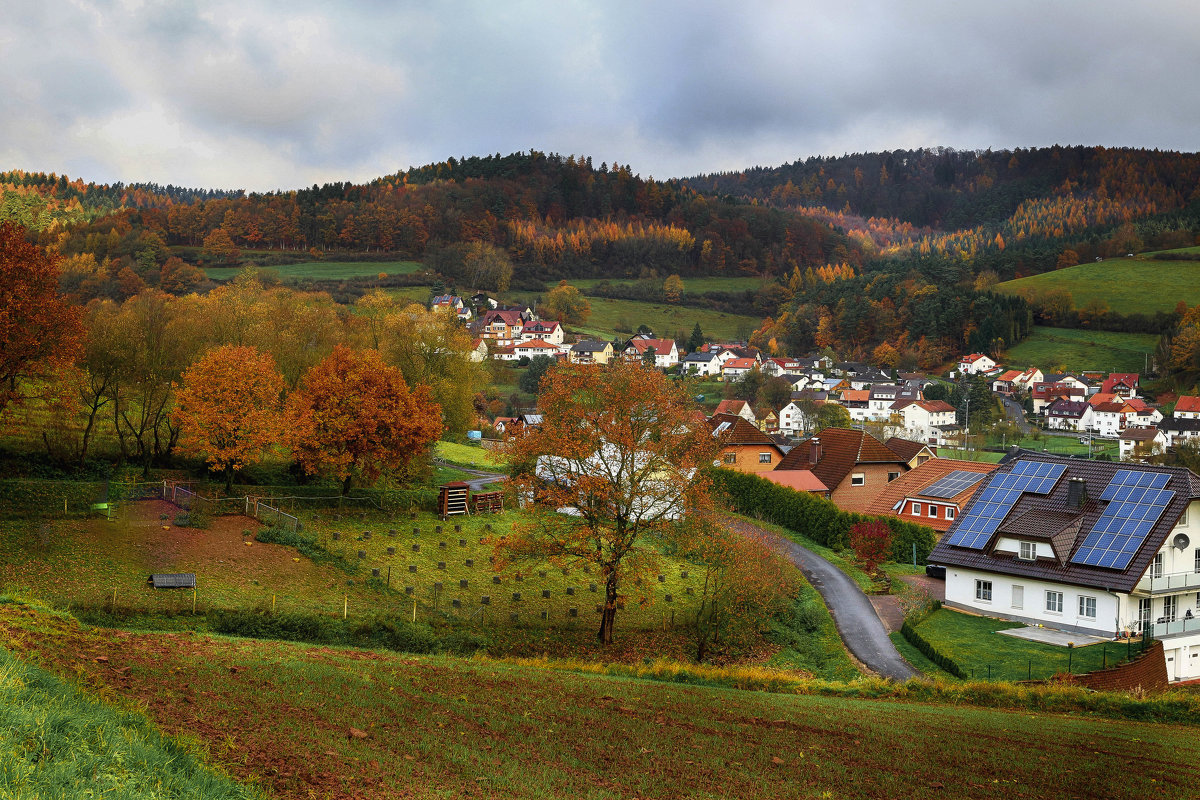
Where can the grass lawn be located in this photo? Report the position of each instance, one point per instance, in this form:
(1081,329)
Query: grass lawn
(327,270)
(1127,285)
(1076,349)
(469,455)
(972,642)
(970,455)
(664,319)
(690,285)
(302,721)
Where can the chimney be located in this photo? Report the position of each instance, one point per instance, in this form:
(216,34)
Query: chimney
(1076,493)
(814,450)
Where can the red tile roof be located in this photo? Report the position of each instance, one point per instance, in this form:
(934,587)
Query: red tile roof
(538,343)
(1188,404)
(841,450)
(906,448)
(738,431)
(730,407)
(911,483)
(740,363)
(801,480)
(661,346)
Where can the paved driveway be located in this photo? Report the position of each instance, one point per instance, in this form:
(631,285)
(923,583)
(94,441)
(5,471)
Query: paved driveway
(857,623)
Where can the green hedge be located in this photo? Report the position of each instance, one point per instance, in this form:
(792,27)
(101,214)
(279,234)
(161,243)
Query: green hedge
(307,546)
(814,517)
(929,651)
(33,497)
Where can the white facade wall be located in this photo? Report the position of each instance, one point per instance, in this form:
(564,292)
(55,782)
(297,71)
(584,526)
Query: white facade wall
(1029,603)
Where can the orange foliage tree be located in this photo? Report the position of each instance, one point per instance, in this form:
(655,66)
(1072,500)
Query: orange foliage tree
(620,444)
(39,333)
(354,418)
(229,408)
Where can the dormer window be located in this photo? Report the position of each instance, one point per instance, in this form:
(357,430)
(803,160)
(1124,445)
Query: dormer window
(1028,551)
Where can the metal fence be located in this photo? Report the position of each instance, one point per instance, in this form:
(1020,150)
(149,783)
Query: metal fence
(269,515)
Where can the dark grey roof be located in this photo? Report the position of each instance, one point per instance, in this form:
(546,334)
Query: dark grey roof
(589,346)
(699,357)
(1056,517)
(1179,424)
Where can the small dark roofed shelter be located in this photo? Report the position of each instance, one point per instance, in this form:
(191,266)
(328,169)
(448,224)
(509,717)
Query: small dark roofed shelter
(173,580)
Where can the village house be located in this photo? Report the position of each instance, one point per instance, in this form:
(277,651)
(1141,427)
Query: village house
(548,331)
(1138,442)
(666,352)
(931,421)
(976,364)
(1070,415)
(738,408)
(858,403)
(743,447)
(479,350)
(536,347)
(736,368)
(852,464)
(933,493)
(701,364)
(502,326)
(914,454)
(1180,430)
(1109,419)
(591,352)
(1045,393)
(1187,407)
(1124,384)
(1087,547)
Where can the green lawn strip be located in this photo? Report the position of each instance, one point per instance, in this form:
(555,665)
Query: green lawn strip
(449,474)
(469,455)
(691,286)
(1078,349)
(285,715)
(915,657)
(970,455)
(327,270)
(1121,283)
(972,643)
(810,640)
(56,742)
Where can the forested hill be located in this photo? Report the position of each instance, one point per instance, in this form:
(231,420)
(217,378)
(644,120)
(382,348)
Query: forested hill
(1012,211)
(556,216)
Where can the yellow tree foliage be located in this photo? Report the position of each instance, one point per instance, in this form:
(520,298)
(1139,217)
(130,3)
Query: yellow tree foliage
(229,408)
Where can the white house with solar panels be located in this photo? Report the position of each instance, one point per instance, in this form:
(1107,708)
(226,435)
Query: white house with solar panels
(1090,547)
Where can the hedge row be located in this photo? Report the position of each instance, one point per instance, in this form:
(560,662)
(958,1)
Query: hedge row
(393,633)
(929,651)
(814,517)
(33,497)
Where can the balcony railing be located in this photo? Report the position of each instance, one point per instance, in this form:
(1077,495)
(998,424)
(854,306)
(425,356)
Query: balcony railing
(1169,584)
(1179,627)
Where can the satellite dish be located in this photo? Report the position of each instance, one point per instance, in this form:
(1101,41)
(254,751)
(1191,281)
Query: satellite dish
(1181,541)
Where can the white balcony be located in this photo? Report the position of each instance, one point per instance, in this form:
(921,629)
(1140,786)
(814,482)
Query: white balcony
(1169,584)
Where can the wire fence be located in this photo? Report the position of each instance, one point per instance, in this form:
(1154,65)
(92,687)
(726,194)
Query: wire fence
(270,515)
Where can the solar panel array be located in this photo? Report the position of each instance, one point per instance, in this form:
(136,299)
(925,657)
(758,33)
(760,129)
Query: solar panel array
(952,483)
(1135,502)
(996,499)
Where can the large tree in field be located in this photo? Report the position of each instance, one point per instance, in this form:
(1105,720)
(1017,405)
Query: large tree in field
(229,408)
(619,444)
(38,332)
(354,418)
(566,304)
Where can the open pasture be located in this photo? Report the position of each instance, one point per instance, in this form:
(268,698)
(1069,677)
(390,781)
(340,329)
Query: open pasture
(1127,285)
(326,270)
(664,319)
(692,286)
(302,721)
(1075,349)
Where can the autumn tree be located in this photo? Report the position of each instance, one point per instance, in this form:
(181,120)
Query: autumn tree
(229,408)
(743,583)
(39,333)
(872,544)
(566,304)
(353,418)
(619,444)
(219,248)
(673,289)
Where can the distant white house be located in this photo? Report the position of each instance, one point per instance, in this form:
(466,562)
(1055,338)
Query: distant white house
(666,352)
(976,364)
(701,364)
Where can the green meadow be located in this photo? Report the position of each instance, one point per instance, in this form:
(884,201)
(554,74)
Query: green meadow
(1127,285)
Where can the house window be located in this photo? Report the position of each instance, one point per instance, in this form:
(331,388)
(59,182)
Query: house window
(1087,607)
(858,479)
(916,509)
(1196,568)
(764,458)
(1183,518)
(933,510)
(1018,596)
(730,458)
(983,591)
(1156,569)
(1169,606)
(949,513)
(1028,551)
(1144,614)
(893,475)
(1054,602)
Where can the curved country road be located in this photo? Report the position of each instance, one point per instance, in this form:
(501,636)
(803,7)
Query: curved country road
(855,617)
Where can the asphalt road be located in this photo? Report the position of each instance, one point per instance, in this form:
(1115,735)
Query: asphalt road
(855,617)
(1016,414)
(481,478)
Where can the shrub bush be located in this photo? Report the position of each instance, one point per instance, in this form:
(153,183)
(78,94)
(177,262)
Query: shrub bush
(929,651)
(307,546)
(392,633)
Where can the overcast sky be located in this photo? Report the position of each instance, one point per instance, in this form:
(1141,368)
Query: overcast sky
(262,95)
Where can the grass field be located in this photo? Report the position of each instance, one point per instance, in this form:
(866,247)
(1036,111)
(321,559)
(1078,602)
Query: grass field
(972,642)
(301,722)
(327,270)
(1127,285)
(664,319)
(469,455)
(1076,349)
(690,285)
